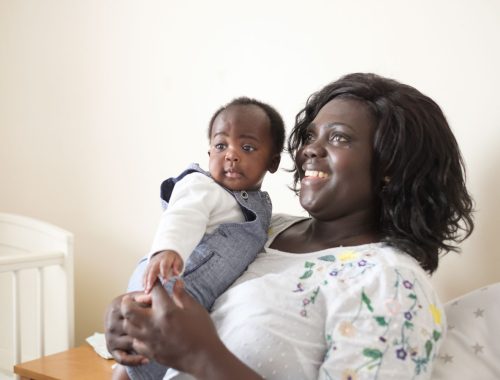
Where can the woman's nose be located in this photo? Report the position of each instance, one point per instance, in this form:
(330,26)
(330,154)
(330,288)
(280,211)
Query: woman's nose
(314,149)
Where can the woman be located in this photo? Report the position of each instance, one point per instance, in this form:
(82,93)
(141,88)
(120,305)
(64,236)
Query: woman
(342,294)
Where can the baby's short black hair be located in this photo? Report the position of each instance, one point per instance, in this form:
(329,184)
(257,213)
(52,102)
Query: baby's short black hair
(417,168)
(275,120)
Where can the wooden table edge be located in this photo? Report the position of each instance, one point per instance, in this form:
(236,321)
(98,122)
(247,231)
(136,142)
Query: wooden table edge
(34,369)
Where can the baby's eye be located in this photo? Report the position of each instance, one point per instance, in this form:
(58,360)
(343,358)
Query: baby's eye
(220,146)
(248,148)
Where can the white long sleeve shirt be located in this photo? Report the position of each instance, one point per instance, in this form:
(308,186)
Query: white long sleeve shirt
(197,206)
(363,312)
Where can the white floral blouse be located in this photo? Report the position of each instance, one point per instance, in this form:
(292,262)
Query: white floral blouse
(363,312)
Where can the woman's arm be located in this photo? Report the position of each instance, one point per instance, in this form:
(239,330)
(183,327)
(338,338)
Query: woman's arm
(178,332)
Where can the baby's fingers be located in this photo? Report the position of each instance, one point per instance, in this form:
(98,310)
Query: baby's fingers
(166,266)
(152,272)
(177,266)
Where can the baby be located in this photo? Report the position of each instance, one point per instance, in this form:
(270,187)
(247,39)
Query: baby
(216,222)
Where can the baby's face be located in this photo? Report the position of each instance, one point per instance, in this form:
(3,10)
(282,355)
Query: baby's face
(241,148)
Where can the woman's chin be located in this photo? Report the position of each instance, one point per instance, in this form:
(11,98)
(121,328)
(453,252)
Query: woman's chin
(308,202)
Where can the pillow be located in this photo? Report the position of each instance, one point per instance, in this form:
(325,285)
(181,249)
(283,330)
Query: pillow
(471,349)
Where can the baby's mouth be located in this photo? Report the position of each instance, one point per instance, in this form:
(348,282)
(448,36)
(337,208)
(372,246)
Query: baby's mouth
(231,173)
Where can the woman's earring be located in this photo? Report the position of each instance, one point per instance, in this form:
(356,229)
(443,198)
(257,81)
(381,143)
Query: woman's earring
(385,181)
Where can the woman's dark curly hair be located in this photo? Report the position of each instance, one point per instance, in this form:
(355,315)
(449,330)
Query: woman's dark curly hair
(424,207)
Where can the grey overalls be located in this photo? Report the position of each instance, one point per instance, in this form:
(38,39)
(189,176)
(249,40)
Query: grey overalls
(223,255)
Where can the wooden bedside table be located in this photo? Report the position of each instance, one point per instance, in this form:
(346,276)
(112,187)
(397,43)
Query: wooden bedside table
(80,363)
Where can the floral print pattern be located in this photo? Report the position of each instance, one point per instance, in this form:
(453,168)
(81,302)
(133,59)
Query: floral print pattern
(395,319)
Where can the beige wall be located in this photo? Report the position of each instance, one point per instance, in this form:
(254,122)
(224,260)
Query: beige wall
(100,100)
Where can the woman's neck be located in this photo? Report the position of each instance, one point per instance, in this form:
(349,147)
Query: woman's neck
(312,234)
(341,232)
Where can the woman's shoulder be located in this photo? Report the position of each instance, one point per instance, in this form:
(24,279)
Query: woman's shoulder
(385,277)
(371,268)
(379,263)
(280,222)
(382,312)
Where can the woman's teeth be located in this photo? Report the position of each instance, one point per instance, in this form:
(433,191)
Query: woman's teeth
(315,173)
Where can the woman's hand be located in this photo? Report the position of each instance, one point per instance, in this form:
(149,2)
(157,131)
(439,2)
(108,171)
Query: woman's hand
(118,342)
(178,332)
(173,331)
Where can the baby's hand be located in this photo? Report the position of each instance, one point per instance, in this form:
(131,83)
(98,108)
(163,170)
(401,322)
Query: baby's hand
(164,264)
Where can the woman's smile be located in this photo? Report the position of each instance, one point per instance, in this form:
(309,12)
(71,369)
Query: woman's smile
(314,178)
(315,174)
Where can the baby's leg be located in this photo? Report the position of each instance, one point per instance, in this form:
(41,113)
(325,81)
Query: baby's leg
(135,281)
(120,373)
(152,370)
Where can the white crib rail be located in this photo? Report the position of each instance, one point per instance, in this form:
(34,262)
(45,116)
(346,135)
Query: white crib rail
(14,265)
(29,244)
(30,261)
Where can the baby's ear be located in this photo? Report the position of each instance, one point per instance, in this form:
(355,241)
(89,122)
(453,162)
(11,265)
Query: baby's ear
(208,153)
(275,163)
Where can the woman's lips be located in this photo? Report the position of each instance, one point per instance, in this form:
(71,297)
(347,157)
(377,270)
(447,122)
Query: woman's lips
(314,178)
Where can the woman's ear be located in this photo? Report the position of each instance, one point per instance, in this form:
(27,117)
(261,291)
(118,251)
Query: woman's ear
(275,163)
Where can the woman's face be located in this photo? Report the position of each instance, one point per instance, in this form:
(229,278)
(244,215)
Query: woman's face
(334,161)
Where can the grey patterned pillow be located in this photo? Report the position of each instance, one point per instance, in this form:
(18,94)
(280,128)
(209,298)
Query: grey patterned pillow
(471,349)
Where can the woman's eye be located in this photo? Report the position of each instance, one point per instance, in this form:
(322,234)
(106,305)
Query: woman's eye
(308,138)
(248,148)
(338,137)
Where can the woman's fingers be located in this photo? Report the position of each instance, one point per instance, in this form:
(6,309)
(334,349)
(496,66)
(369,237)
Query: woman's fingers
(130,359)
(141,348)
(119,344)
(144,299)
(161,299)
(134,313)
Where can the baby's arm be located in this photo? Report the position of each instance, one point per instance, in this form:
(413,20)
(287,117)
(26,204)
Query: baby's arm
(165,263)
(183,224)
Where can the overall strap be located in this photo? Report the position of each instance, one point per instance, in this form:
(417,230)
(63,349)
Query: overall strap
(168,185)
(252,203)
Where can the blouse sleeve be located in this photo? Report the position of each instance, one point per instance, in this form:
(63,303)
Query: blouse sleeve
(387,325)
